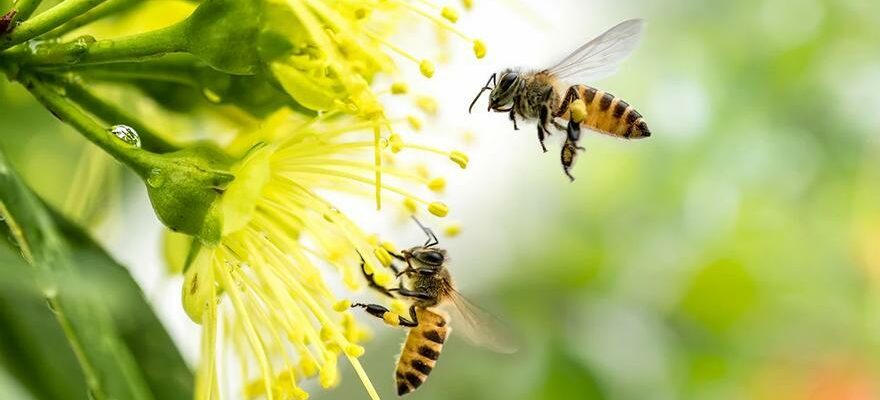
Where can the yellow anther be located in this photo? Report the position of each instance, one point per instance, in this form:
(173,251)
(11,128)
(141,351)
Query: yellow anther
(341,305)
(467,4)
(410,205)
(300,394)
(399,88)
(578,111)
(329,376)
(439,209)
(382,279)
(354,350)
(437,184)
(391,318)
(309,367)
(427,68)
(459,158)
(389,246)
(326,334)
(427,104)
(452,229)
(414,122)
(383,256)
(373,239)
(479,48)
(396,143)
(450,14)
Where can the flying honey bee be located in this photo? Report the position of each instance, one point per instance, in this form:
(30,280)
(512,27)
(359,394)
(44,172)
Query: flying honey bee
(429,286)
(546,95)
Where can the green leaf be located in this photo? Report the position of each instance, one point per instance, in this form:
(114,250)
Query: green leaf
(33,350)
(122,350)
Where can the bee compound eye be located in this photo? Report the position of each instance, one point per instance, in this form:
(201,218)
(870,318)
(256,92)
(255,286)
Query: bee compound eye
(431,257)
(507,80)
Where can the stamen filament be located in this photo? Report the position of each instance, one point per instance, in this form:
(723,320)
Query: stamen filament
(253,337)
(437,20)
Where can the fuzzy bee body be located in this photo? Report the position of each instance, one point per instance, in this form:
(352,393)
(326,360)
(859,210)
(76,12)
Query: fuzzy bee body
(545,96)
(605,113)
(422,348)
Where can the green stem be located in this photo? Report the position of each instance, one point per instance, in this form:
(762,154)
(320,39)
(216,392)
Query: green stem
(24,8)
(108,8)
(85,51)
(141,161)
(165,69)
(150,139)
(46,21)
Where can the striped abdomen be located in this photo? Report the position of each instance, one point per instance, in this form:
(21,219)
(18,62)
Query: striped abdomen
(607,114)
(421,350)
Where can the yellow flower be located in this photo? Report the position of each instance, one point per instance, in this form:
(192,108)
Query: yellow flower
(325,54)
(263,291)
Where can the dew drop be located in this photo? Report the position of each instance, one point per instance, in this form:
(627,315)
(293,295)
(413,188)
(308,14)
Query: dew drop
(156,178)
(126,134)
(78,48)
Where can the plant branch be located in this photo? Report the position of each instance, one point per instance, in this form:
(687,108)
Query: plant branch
(150,139)
(46,21)
(141,161)
(85,50)
(24,8)
(101,11)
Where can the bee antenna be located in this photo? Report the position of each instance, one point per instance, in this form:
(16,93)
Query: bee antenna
(485,88)
(432,239)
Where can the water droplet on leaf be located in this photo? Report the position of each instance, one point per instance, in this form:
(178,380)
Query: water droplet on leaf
(127,134)
(156,178)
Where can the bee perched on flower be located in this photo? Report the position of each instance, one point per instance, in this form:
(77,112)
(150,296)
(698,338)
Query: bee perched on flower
(281,239)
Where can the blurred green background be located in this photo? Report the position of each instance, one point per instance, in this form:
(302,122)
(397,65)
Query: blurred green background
(733,255)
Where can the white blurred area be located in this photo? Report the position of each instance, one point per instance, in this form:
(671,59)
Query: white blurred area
(509,183)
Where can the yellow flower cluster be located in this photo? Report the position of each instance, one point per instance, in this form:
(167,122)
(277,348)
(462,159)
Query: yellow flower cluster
(263,289)
(335,49)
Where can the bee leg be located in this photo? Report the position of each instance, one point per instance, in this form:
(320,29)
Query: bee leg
(412,293)
(569,155)
(371,281)
(573,130)
(513,118)
(390,317)
(542,126)
(570,148)
(570,96)
(557,125)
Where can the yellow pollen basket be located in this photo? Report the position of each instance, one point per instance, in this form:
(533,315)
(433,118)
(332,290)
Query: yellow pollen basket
(578,111)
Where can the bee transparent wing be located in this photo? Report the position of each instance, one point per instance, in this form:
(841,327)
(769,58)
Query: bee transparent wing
(479,326)
(601,56)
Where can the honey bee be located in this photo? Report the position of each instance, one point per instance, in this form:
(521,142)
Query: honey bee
(545,96)
(430,285)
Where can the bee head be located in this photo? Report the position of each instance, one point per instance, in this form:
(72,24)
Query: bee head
(502,91)
(427,257)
